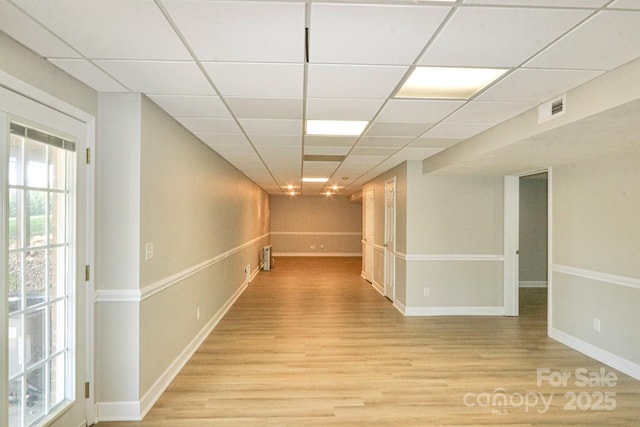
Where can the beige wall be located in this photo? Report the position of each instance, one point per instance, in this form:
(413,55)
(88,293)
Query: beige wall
(449,239)
(596,273)
(194,207)
(160,185)
(315,226)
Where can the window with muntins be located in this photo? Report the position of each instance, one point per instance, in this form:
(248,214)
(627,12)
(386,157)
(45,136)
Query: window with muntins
(40,289)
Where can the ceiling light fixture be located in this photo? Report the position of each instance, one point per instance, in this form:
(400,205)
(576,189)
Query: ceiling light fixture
(448,82)
(336,127)
(309,179)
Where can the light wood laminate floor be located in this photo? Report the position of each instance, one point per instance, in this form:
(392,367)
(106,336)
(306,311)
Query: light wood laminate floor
(311,343)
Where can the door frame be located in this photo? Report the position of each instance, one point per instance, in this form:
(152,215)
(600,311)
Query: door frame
(368,264)
(512,240)
(85,255)
(389,253)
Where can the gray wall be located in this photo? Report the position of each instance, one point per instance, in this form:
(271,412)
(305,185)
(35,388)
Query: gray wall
(315,226)
(596,236)
(533,230)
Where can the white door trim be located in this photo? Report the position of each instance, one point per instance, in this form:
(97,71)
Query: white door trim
(390,253)
(512,241)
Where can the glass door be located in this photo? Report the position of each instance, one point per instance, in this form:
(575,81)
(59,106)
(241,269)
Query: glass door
(39,272)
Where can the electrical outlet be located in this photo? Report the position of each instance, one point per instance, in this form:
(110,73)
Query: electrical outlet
(148,251)
(198,313)
(312,247)
(247,268)
(322,247)
(596,324)
(427,292)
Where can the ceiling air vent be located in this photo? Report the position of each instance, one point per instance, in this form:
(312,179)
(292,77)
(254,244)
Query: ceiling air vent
(552,109)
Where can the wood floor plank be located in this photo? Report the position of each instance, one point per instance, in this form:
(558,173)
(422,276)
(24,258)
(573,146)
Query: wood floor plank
(311,343)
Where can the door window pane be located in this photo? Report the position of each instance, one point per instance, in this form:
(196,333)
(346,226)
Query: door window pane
(34,337)
(36,206)
(57,272)
(34,280)
(56,216)
(35,163)
(16,345)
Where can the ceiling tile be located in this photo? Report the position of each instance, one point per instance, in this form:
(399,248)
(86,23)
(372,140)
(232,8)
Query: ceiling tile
(343,141)
(426,142)
(416,153)
(625,4)
(498,37)
(456,130)
(89,74)
(198,125)
(242,31)
(353,81)
(281,156)
(159,77)
(20,27)
(343,109)
(373,151)
(384,141)
(191,106)
(257,80)
(110,29)
(542,3)
(385,34)
(533,85)
(417,110)
(272,127)
(397,129)
(606,41)
(332,150)
(319,169)
(277,140)
(217,139)
(266,108)
(489,112)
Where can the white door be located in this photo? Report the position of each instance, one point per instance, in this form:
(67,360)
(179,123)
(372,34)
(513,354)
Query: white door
(368,234)
(44,297)
(390,239)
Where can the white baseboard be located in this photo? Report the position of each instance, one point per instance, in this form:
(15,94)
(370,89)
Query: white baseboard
(533,284)
(453,311)
(137,410)
(620,363)
(119,411)
(254,273)
(378,287)
(317,254)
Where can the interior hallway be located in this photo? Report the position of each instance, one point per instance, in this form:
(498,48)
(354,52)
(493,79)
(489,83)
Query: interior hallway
(311,343)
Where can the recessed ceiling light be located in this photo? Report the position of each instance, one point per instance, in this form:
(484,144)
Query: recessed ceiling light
(336,127)
(315,179)
(447,82)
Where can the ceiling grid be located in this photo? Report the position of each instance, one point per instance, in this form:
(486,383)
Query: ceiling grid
(235,73)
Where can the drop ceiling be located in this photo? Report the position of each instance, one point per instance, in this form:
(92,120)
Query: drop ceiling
(237,75)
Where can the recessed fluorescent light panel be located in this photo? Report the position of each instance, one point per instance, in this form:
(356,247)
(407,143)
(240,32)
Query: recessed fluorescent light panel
(315,179)
(336,127)
(447,82)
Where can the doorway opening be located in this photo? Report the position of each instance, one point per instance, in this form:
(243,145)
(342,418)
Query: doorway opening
(527,245)
(533,245)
